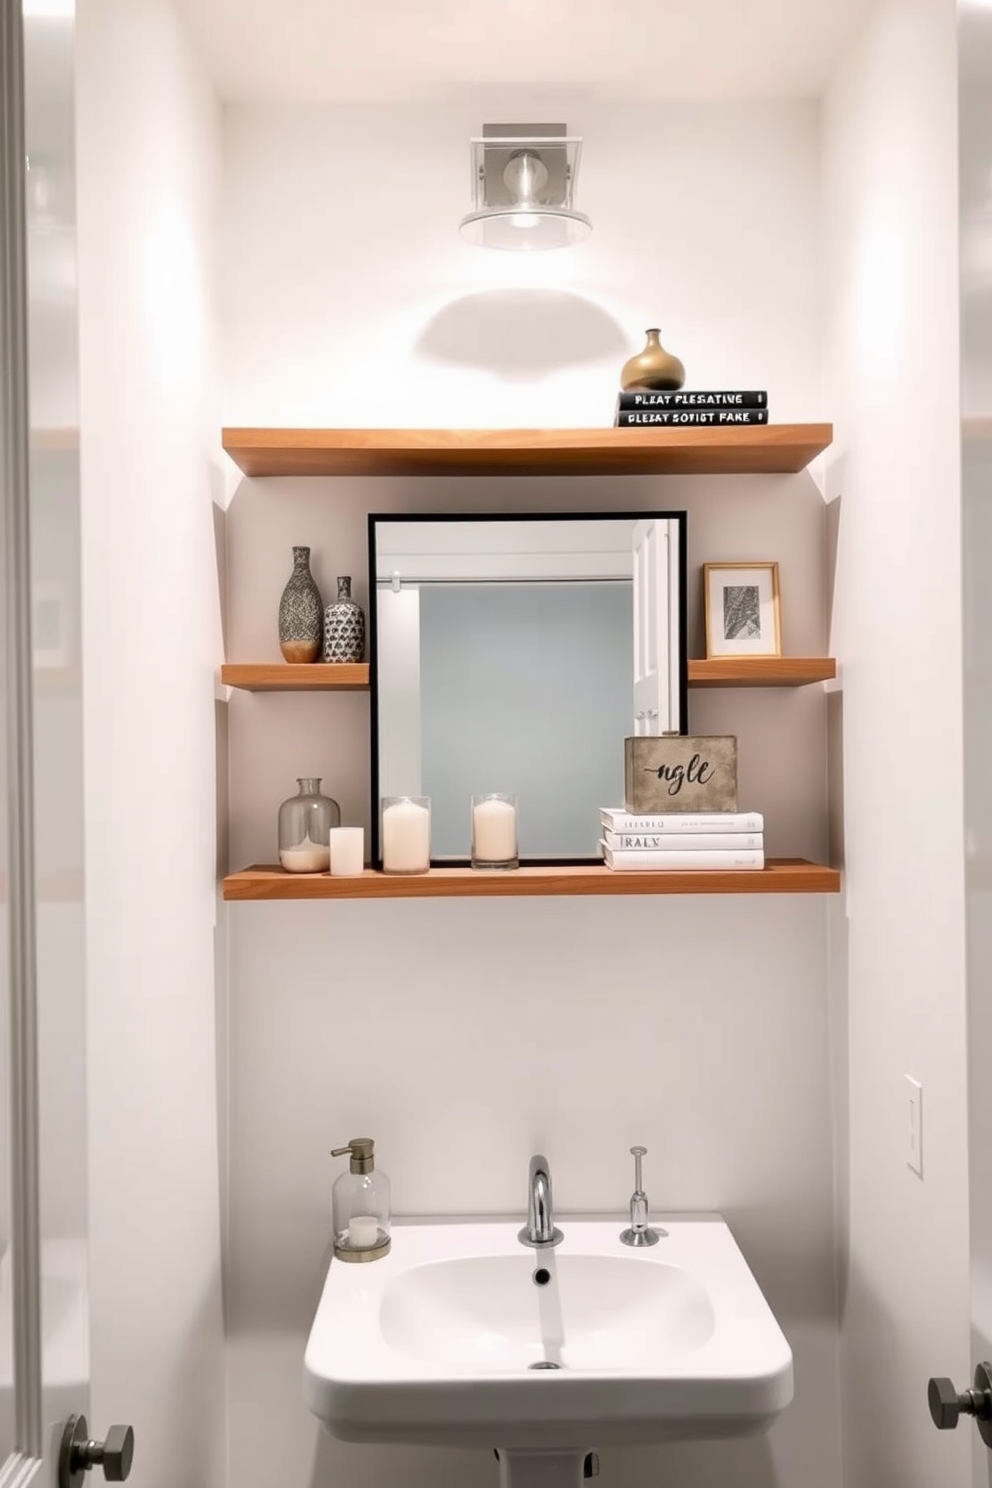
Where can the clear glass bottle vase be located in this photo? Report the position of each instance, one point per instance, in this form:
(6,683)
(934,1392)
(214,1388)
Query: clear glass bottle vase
(305,822)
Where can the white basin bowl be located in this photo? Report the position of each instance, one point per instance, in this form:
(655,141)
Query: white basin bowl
(481,1312)
(461,1335)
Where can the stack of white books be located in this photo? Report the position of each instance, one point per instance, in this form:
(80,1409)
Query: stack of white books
(724,839)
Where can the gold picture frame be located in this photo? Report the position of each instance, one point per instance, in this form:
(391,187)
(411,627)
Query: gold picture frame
(741,606)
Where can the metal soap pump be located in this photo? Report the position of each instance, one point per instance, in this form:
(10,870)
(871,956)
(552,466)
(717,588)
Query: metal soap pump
(640,1232)
(360,1202)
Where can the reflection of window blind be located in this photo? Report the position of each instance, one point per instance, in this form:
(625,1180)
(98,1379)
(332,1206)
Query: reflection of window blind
(531,549)
(397,584)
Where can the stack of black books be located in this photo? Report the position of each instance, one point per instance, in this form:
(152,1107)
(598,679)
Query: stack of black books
(644,408)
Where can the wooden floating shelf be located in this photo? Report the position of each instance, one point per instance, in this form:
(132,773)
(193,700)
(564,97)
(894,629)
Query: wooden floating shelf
(57,680)
(779,876)
(315,676)
(54,440)
(686,450)
(50,888)
(730,671)
(761,671)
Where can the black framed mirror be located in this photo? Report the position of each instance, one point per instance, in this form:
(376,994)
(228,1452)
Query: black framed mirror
(515,653)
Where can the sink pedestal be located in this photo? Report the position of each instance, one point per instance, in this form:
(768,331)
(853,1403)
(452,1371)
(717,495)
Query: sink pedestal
(530,1469)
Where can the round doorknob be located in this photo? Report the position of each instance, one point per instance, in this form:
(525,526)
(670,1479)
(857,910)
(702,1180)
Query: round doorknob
(948,1405)
(79,1453)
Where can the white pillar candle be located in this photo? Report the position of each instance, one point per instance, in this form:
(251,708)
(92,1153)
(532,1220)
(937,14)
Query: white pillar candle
(363,1231)
(347,851)
(306,857)
(406,837)
(494,830)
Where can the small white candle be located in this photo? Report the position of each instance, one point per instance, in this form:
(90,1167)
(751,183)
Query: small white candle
(306,857)
(406,838)
(347,851)
(363,1231)
(494,831)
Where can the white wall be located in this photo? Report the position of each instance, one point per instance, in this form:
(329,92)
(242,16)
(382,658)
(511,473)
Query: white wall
(890,324)
(351,299)
(148,152)
(465,1036)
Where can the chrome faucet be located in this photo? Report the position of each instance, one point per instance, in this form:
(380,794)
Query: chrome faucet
(539,1230)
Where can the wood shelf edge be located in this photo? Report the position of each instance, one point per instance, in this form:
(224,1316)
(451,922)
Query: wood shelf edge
(52,438)
(285,676)
(779,876)
(765,448)
(761,671)
(734,671)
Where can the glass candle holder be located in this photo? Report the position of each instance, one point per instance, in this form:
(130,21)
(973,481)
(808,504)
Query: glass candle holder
(494,831)
(406,834)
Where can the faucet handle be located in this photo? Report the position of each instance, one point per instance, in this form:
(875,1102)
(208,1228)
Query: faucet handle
(637,1153)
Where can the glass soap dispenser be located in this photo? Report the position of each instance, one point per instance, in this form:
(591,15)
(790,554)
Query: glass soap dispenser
(360,1202)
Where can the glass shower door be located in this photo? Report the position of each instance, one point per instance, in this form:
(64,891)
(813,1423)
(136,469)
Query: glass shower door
(44,1312)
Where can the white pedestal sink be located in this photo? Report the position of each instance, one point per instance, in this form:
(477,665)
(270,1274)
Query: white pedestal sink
(463,1336)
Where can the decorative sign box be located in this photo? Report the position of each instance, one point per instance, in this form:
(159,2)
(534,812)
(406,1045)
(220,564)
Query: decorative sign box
(680,772)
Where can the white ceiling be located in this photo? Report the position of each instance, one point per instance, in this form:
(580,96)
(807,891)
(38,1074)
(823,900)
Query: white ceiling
(395,50)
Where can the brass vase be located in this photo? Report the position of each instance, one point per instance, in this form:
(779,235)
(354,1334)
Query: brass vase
(653,368)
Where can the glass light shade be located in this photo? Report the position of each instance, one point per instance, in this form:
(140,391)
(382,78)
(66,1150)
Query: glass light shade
(527,232)
(522,187)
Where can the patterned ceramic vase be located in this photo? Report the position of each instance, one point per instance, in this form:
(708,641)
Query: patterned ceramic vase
(344,627)
(301,612)
(653,368)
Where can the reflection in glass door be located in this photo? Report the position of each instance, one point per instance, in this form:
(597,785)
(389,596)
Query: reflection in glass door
(44,1312)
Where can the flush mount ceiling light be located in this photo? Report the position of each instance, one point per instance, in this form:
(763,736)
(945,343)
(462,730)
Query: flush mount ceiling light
(523,179)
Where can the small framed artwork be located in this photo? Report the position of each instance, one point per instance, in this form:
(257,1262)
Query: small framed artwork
(742,609)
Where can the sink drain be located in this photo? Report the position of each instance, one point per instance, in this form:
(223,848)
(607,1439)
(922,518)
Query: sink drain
(543,1364)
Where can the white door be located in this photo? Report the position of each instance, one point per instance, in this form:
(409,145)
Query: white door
(657,609)
(975,134)
(975,173)
(44,1296)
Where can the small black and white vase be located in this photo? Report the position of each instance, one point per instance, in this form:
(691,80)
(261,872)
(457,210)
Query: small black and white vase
(301,612)
(344,627)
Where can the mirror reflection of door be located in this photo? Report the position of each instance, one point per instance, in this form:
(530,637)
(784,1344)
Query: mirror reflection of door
(504,660)
(658,633)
